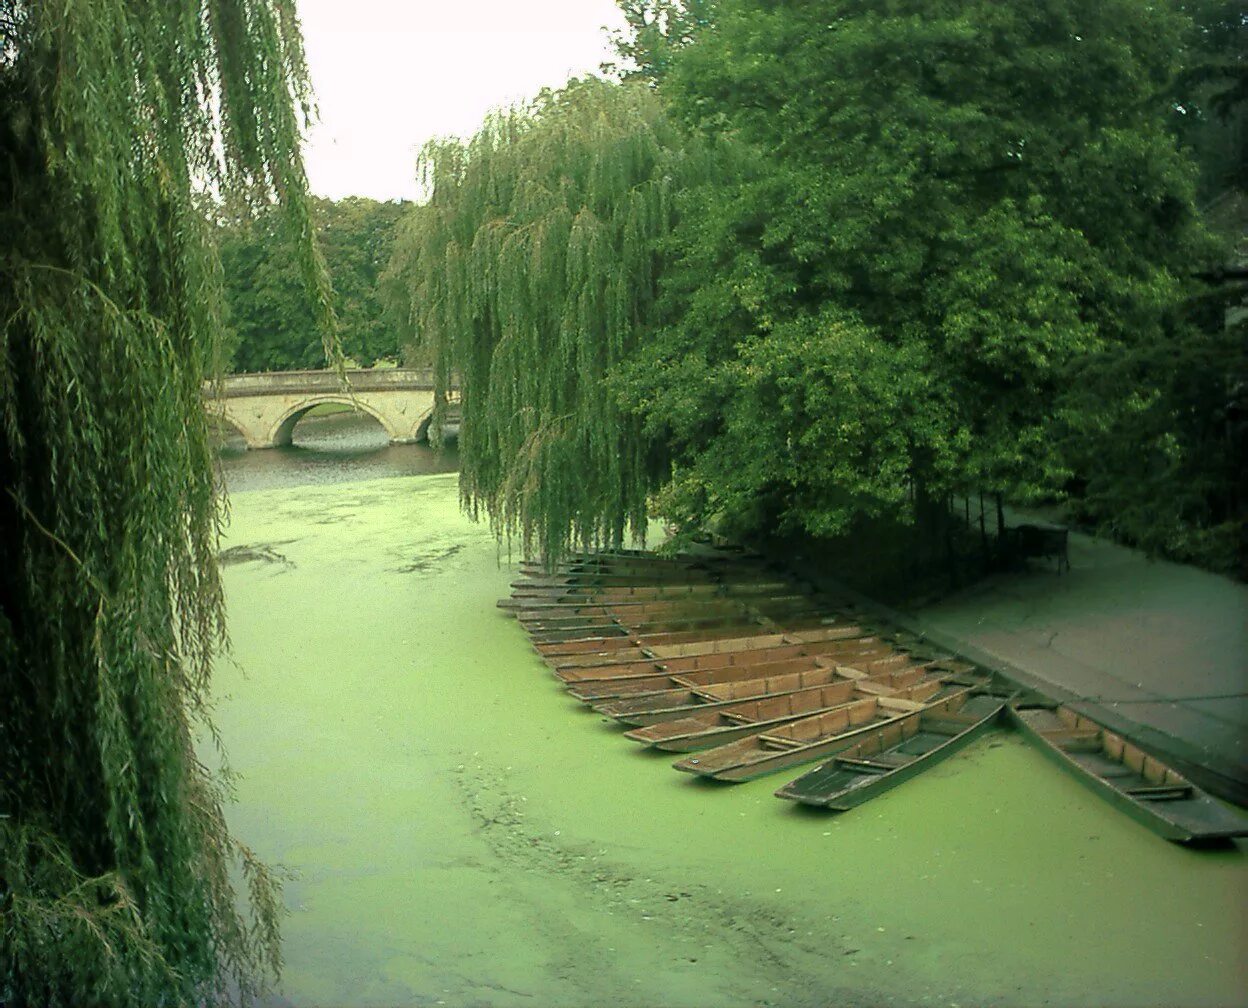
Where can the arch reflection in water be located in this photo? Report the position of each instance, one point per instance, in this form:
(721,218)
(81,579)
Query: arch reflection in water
(330,447)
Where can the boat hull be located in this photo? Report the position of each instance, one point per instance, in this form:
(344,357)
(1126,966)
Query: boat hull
(824,787)
(1173,808)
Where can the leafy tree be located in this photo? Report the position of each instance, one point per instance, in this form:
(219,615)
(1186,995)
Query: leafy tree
(117,872)
(271,322)
(935,214)
(1211,94)
(655,31)
(532,272)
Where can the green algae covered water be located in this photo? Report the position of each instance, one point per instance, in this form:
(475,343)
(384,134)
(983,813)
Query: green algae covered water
(461,832)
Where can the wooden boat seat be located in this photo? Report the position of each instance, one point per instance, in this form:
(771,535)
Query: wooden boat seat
(1160,792)
(1064,738)
(1086,744)
(880,763)
(779,742)
(736,717)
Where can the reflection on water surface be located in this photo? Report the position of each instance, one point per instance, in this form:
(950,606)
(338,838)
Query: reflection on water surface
(335,448)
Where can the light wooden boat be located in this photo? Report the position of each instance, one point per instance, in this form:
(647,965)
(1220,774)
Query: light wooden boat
(561,627)
(1126,776)
(882,759)
(808,739)
(725,723)
(705,670)
(737,627)
(604,577)
(608,626)
(587,594)
(668,705)
(613,562)
(579,603)
(597,665)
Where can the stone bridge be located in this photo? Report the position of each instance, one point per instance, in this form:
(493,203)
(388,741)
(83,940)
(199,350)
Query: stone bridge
(264,408)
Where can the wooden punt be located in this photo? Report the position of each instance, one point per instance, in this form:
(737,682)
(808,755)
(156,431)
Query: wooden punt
(620,689)
(727,723)
(609,628)
(668,705)
(650,639)
(593,561)
(1138,784)
(569,626)
(620,662)
(548,606)
(560,584)
(587,594)
(705,670)
(894,753)
(573,619)
(640,578)
(808,739)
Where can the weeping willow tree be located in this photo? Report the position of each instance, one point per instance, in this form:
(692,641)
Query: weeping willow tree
(117,874)
(530,272)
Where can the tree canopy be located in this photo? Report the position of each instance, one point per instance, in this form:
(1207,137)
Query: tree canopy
(942,209)
(117,873)
(908,251)
(271,318)
(532,272)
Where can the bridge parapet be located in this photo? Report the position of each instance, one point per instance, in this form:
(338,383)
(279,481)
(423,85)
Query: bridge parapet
(265,407)
(283,382)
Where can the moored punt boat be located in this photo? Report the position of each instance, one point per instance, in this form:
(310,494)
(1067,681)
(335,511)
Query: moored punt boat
(720,724)
(640,621)
(608,623)
(1138,784)
(704,670)
(567,666)
(574,617)
(579,602)
(882,759)
(638,578)
(644,637)
(643,562)
(589,594)
(717,675)
(808,739)
(668,705)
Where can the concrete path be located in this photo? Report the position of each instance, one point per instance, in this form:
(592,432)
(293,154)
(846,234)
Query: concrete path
(1154,650)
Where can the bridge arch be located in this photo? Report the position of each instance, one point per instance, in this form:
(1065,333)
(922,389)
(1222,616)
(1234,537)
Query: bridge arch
(283,431)
(266,407)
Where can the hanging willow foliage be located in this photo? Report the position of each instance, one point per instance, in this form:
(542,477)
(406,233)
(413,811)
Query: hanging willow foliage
(530,272)
(117,873)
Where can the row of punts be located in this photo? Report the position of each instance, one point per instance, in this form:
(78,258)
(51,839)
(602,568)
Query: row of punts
(746,672)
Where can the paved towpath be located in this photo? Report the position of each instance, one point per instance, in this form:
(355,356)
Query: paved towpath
(1155,650)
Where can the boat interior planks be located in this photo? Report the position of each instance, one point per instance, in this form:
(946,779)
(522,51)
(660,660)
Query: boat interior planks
(1129,778)
(721,655)
(882,759)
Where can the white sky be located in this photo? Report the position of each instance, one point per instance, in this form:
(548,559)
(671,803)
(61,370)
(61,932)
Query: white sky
(390,75)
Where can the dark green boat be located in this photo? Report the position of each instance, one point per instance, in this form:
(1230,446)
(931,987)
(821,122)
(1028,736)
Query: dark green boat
(1126,776)
(896,752)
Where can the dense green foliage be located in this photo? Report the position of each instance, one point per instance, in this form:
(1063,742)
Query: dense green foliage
(889,300)
(117,873)
(916,250)
(271,321)
(532,272)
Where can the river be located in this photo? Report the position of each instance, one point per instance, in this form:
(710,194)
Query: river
(461,832)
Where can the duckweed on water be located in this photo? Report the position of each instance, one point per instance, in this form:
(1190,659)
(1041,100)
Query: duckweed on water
(464,833)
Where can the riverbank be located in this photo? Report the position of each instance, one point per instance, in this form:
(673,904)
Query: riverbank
(1157,651)
(464,833)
